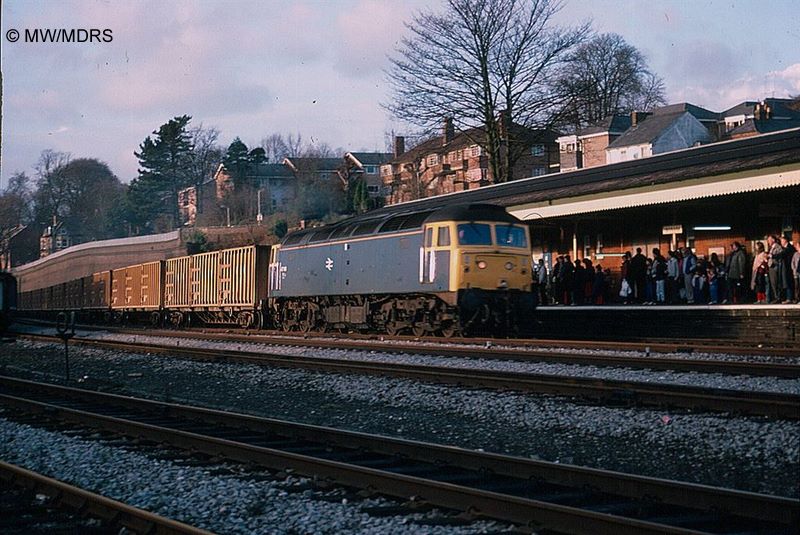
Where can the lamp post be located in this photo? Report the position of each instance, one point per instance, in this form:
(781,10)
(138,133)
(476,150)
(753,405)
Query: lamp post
(228,213)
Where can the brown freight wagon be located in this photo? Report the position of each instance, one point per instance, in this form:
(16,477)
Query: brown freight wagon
(73,294)
(58,297)
(97,291)
(220,287)
(138,289)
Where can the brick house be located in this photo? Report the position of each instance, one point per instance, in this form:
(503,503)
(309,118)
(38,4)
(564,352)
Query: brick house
(456,161)
(587,148)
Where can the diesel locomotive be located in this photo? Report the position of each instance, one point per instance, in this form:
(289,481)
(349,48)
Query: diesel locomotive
(445,271)
(456,269)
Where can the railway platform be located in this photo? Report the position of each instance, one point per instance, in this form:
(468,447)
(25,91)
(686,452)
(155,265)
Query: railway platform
(770,325)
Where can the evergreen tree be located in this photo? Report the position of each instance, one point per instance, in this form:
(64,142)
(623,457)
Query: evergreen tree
(165,168)
(237,160)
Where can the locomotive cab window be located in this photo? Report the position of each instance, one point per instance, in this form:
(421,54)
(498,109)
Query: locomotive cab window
(474,234)
(510,236)
(429,237)
(443,238)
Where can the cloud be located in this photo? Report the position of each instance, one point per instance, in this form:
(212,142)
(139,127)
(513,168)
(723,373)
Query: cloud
(780,83)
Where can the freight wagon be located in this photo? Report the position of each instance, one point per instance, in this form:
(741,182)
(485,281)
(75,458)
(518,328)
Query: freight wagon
(220,287)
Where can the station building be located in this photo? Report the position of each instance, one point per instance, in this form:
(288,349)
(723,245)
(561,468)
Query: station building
(703,197)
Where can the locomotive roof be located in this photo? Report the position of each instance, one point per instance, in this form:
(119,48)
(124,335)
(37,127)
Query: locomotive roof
(396,221)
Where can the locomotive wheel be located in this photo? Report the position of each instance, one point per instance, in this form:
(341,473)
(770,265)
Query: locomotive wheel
(418,329)
(391,328)
(449,329)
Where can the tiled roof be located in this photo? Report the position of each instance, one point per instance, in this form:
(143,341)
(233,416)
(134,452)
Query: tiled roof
(317,164)
(751,126)
(372,158)
(612,123)
(699,113)
(646,131)
(270,170)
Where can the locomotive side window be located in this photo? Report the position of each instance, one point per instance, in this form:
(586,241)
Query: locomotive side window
(474,234)
(443,239)
(510,236)
(429,237)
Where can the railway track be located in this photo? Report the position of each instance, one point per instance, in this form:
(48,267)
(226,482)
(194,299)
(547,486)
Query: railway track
(627,393)
(24,513)
(517,352)
(660,345)
(536,494)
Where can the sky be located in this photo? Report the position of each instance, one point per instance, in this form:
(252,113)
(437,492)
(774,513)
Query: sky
(252,68)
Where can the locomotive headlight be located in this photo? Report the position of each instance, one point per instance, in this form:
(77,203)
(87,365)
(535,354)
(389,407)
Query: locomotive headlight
(481,264)
(509,266)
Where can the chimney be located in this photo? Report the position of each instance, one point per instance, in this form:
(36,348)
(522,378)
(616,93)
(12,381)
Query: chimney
(762,111)
(448,131)
(399,146)
(638,116)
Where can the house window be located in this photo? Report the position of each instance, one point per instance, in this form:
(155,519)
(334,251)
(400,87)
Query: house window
(539,171)
(433,159)
(476,151)
(370,169)
(537,150)
(373,189)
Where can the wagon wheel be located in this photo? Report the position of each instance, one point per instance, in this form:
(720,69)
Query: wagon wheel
(176,319)
(155,319)
(245,319)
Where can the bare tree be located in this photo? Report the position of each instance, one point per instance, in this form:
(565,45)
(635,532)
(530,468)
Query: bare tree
(605,76)
(52,186)
(275,148)
(479,58)
(207,153)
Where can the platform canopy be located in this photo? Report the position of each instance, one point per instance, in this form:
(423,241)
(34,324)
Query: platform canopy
(685,190)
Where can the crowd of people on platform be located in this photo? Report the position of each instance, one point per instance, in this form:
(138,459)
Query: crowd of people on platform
(678,277)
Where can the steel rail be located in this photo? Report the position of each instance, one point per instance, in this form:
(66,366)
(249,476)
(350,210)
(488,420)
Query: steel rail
(520,353)
(95,505)
(761,509)
(775,405)
(661,345)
